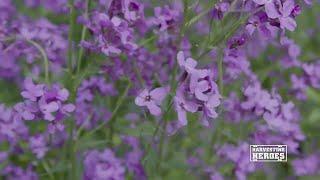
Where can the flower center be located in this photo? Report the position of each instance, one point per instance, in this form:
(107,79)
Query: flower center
(148,98)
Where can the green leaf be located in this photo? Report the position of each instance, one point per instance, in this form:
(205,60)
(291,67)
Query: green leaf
(313,95)
(145,129)
(314,116)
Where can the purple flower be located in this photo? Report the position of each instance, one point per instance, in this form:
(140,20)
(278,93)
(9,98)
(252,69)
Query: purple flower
(48,108)
(277,9)
(188,64)
(174,126)
(11,129)
(219,10)
(133,157)
(49,104)
(197,91)
(309,165)
(131,10)
(183,106)
(199,86)
(12,172)
(165,18)
(209,109)
(239,156)
(259,23)
(38,145)
(32,91)
(152,99)
(103,165)
(259,100)
(112,35)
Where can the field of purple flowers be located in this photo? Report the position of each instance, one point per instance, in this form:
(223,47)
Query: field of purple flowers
(147,89)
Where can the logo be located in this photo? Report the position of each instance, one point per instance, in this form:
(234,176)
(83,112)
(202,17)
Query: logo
(268,153)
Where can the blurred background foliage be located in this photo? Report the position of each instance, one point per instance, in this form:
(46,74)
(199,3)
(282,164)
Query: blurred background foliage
(181,146)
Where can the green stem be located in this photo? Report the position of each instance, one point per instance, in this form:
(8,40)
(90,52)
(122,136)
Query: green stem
(155,132)
(83,37)
(161,143)
(173,85)
(114,112)
(47,169)
(45,59)
(218,121)
(72,19)
(72,150)
(220,69)
(138,73)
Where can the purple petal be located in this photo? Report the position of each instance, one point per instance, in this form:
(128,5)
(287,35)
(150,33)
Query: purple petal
(154,109)
(63,94)
(69,108)
(250,28)
(288,23)
(272,10)
(180,57)
(159,94)
(140,99)
(51,107)
(288,6)
(261,2)
(182,117)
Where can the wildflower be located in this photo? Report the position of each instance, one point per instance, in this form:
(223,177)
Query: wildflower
(38,145)
(32,91)
(188,64)
(103,165)
(183,106)
(309,165)
(152,99)
(277,9)
(15,172)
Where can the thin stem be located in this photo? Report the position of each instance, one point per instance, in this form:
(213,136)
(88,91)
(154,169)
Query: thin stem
(173,82)
(225,36)
(173,85)
(40,49)
(45,59)
(162,138)
(155,132)
(47,169)
(10,38)
(72,19)
(220,69)
(114,112)
(72,150)
(138,73)
(83,37)
(219,120)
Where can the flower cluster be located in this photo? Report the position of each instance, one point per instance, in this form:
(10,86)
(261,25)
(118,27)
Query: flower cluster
(12,129)
(166,18)
(109,89)
(307,166)
(38,145)
(281,13)
(196,92)
(42,102)
(14,172)
(310,78)
(113,35)
(239,156)
(103,165)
